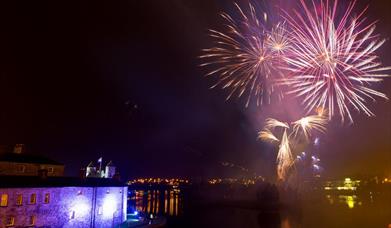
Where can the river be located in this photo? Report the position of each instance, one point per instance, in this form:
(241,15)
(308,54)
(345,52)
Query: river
(314,209)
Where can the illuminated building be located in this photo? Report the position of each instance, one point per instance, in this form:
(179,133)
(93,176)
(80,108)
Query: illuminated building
(109,170)
(15,162)
(34,193)
(347,184)
(93,171)
(28,201)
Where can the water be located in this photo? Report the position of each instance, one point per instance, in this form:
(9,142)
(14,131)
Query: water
(156,202)
(315,209)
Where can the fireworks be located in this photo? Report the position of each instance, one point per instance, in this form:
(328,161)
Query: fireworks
(278,41)
(246,55)
(308,164)
(332,59)
(324,54)
(305,125)
(271,123)
(267,135)
(310,123)
(284,157)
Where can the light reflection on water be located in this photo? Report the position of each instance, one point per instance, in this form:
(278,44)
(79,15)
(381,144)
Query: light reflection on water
(156,202)
(328,209)
(349,200)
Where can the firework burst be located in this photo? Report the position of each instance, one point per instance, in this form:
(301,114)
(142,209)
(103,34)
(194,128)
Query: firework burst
(308,124)
(332,59)
(278,41)
(246,55)
(304,126)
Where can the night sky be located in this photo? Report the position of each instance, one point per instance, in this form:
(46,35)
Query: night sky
(80,80)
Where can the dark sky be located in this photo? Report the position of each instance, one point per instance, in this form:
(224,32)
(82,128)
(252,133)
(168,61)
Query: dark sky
(120,79)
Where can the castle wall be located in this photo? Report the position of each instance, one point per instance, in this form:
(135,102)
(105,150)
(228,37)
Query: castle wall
(98,207)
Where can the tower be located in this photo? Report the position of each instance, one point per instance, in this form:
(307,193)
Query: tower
(110,170)
(91,170)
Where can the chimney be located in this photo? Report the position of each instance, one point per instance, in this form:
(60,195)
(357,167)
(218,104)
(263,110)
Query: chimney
(18,148)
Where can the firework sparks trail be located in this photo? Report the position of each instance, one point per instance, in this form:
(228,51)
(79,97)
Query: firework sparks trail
(246,56)
(271,123)
(284,157)
(308,124)
(304,126)
(268,136)
(332,60)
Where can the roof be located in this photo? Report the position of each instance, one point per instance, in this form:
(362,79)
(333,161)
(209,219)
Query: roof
(27,158)
(38,182)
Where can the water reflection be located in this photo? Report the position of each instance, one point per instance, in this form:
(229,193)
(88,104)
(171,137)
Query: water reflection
(186,208)
(156,202)
(350,201)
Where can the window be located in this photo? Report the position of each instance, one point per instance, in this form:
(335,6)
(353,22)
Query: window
(19,199)
(4,200)
(100,210)
(10,221)
(47,198)
(33,198)
(20,168)
(32,220)
(72,215)
(50,170)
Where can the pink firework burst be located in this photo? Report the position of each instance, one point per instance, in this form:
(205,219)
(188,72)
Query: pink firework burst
(332,61)
(246,55)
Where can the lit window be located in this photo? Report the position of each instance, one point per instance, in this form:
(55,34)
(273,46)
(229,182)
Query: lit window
(50,170)
(19,199)
(4,200)
(32,220)
(10,221)
(20,168)
(33,198)
(47,198)
(100,210)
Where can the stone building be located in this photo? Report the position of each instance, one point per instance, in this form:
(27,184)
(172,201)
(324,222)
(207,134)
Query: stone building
(49,202)
(18,163)
(94,171)
(110,170)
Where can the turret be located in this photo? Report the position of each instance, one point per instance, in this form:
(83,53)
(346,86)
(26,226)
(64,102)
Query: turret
(91,170)
(110,170)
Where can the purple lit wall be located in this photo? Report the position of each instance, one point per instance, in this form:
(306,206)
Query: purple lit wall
(67,206)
